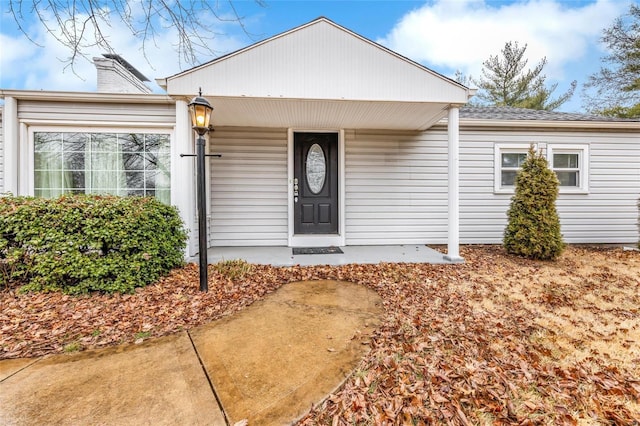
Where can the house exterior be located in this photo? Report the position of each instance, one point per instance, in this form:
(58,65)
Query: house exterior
(597,161)
(326,139)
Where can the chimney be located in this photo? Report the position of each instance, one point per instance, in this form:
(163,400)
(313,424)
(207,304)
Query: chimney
(115,75)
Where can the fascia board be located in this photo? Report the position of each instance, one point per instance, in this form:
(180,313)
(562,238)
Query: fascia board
(40,95)
(548,124)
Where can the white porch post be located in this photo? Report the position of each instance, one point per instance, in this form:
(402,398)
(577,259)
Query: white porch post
(453,127)
(11,140)
(182,174)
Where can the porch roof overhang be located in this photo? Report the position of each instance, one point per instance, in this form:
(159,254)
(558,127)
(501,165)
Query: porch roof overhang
(321,114)
(320,76)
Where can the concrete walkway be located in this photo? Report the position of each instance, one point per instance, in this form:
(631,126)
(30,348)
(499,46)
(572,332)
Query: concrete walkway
(283,256)
(268,364)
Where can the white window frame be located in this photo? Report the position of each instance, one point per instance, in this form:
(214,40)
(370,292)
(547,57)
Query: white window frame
(583,165)
(28,172)
(505,148)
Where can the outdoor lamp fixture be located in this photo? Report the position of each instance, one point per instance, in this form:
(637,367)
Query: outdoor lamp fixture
(200,110)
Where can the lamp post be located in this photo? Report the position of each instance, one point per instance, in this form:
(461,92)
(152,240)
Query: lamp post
(200,110)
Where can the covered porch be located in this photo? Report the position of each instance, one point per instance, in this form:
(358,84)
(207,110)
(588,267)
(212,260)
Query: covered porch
(388,171)
(283,256)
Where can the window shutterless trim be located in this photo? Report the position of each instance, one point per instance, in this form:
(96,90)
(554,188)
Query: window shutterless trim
(29,175)
(583,165)
(498,150)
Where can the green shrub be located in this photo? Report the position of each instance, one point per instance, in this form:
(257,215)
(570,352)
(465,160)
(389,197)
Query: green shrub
(81,243)
(533,230)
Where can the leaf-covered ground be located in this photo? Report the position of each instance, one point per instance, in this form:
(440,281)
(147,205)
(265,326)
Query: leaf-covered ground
(498,340)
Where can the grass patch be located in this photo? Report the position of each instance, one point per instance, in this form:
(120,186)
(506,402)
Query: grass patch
(141,335)
(233,269)
(72,347)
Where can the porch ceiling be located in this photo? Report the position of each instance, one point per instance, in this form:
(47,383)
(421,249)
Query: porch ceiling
(325,113)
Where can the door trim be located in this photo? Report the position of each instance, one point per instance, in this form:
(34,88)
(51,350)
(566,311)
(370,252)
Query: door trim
(316,240)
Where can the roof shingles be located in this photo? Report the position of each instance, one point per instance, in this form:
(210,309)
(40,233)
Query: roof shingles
(511,113)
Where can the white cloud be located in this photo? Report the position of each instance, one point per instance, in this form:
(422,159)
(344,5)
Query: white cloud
(461,34)
(24,65)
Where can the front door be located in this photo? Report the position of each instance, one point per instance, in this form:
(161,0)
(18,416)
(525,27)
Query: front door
(315,183)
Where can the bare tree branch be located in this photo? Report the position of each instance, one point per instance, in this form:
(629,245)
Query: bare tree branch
(80,25)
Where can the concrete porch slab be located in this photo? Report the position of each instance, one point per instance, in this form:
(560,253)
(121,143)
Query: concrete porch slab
(283,256)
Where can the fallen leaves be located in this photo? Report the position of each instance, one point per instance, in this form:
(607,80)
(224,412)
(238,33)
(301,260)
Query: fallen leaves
(461,345)
(41,323)
(498,340)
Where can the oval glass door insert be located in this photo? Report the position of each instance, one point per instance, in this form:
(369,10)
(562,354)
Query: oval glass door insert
(316,168)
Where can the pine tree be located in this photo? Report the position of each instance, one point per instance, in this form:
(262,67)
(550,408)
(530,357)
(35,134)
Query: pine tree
(533,230)
(615,89)
(506,81)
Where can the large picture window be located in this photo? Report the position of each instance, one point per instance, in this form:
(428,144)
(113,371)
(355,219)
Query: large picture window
(102,163)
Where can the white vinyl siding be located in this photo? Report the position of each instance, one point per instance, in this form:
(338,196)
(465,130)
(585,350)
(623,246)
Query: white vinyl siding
(319,60)
(396,187)
(248,184)
(92,112)
(608,213)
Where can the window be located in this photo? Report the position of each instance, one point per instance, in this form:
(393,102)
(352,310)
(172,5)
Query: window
(511,163)
(569,162)
(566,167)
(102,163)
(508,160)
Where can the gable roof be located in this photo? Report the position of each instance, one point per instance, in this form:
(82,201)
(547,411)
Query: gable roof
(318,60)
(320,75)
(320,19)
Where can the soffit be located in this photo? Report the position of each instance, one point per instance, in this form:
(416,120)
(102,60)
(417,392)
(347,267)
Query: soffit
(325,114)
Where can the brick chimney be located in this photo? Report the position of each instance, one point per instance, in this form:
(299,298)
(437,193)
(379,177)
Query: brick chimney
(115,75)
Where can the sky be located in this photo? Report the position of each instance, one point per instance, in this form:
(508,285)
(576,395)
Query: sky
(444,35)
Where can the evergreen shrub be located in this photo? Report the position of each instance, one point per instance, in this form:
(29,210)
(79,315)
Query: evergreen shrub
(81,243)
(533,230)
